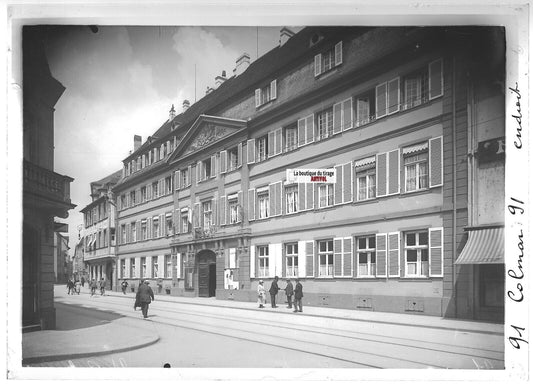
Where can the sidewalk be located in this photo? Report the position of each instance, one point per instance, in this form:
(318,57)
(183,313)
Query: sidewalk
(37,346)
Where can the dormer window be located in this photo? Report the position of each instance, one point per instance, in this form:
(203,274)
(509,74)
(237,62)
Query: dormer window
(265,94)
(328,60)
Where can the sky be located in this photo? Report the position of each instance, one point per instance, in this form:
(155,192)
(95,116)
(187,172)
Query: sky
(121,81)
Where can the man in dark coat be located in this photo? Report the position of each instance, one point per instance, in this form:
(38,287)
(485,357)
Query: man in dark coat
(145,295)
(298,294)
(289,291)
(274,291)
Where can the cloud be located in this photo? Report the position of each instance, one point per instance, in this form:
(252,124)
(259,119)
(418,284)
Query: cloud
(201,49)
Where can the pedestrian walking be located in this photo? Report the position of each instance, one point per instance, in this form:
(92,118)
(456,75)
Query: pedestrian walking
(298,294)
(70,287)
(289,291)
(274,288)
(144,297)
(93,287)
(77,286)
(261,294)
(102,286)
(124,286)
(82,282)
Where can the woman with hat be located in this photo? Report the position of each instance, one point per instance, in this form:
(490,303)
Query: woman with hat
(261,294)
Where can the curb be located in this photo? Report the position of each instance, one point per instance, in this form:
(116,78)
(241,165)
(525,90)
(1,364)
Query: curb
(61,357)
(336,317)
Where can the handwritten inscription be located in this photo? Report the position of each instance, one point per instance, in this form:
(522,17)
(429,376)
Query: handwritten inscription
(517,274)
(518,117)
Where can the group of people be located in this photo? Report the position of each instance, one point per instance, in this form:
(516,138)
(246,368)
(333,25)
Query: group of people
(93,285)
(297,291)
(73,286)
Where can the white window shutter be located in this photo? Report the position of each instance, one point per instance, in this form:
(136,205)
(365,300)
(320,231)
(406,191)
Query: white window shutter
(198,173)
(222,210)
(338,53)
(271,142)
(337,186)
(257,97)
(213,166)
(436,255)
(347,114)
(250,151)
(309,258)
(177,179)
(273,89)
(381,174)
(278,135)
(223,161)
(271,260)
(337,257)
(393,172)
(394,254)
(318,64)
(239,154)
(347,257)
(381,255)
(435,162)
(310,129)
(337,118)
(393,96)
(381,100)
(435,79)
(301,132)
(347,184)
(252,261)
(251,204)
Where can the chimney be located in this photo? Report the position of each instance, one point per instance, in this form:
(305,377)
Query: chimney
(242,64)
(171,113)
(186,105)
(220,79)
(208,90)
(137,139)
(284,35)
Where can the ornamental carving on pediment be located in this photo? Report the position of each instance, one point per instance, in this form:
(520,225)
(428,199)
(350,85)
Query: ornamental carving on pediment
(207,135)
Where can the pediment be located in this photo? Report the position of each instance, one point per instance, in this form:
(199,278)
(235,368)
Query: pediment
(206,131)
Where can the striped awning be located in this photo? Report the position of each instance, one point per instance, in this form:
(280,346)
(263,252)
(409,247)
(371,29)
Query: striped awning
(484,246)
(366,161)
(416,148)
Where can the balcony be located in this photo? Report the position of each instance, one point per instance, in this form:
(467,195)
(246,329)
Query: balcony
(46,190)
(101,253)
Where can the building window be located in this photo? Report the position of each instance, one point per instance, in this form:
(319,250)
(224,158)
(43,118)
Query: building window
(189,278)
(416,254)
(416,89)
(205,170)
(143,194)
(291,137)
(155,267)
(123,202)
(132,268)
(155,190)
(233,159)
(262,148)
(324,122)
(185,177)
(168,185)
(263,203)
(168,266)
(155,227)
(329,59)
(262,259)
(291,198)
(325,195)
(185,221)
(325,258)
(233,206)
(416,171)
(291,259)
(144,233)
(365,108)
(366,254)
(207,210)
(123,234)
(133,232)
(143,267)
(169,224)
(366,181)
(122,268)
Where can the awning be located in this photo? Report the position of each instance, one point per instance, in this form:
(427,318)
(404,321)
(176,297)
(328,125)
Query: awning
(366,161)
(416,148)
(484,246)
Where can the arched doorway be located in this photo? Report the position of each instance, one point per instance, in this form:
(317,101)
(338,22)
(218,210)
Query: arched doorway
(207,273)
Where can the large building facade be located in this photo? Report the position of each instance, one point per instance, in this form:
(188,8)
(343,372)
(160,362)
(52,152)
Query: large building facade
(46,194)
(205,207)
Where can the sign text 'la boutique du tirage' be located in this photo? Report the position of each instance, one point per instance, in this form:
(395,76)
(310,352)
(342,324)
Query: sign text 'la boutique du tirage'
(297,175)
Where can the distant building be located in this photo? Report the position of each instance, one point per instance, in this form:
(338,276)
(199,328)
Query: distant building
(98,236)
(46,194)
(62,261)
(205,206)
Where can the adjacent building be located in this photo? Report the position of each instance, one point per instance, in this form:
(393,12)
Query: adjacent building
(98,239)
(405,117)
(46,194)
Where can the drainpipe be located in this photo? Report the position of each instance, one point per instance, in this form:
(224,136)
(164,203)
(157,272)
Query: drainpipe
(454,198)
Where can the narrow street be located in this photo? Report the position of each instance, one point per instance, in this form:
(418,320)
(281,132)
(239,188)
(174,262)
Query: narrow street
(196,335)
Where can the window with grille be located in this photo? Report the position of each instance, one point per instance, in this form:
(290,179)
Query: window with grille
(416,254)
(291,259)
(366,254)
(325,258)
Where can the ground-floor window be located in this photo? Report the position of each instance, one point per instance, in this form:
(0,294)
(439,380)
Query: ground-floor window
(189,284)
(143,267)
(122,268)
(262,259)
(416,254)
(155,267)
(291,259)
(366,256)
(325,258)
(132,268)
(168,266)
